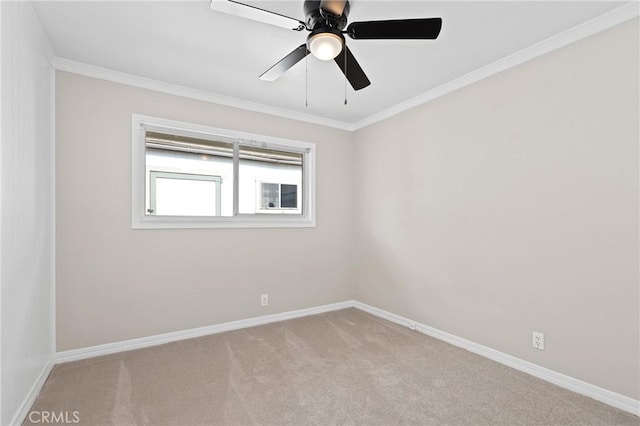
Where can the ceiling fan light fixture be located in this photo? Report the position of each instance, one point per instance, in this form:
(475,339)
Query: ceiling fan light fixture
(325,45)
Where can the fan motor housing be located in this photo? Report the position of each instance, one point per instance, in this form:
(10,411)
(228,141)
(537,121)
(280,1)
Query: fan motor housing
(316,18)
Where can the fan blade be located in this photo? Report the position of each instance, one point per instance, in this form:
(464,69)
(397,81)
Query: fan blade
(427,28)
(335,7)
(249,11)
(353,72)
(285,63)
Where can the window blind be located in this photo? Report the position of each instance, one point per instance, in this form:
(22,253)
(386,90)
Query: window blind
(157,140)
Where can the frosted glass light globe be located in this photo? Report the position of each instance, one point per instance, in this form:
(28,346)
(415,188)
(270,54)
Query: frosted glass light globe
(325,46)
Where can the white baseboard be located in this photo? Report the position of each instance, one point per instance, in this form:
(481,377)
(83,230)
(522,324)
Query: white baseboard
(26,405)
(614,399)
(143,342)
(603,395)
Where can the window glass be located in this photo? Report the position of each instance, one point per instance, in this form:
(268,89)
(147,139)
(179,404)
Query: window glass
(270,195)
(188,176)
(262,175)
(289,196)
(179,194)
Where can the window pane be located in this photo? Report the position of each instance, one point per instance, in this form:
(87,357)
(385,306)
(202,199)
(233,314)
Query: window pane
(270,195)
(209,190)
(185,197)
(289,196)
(262,175)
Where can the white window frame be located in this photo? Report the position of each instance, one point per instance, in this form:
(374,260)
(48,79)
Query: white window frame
(141,220)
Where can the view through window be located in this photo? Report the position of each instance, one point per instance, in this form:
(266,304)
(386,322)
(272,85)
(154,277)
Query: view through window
(199,175)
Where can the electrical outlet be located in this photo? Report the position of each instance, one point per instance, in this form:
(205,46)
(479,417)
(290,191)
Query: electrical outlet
(538,340)
(264,300)
(412,325)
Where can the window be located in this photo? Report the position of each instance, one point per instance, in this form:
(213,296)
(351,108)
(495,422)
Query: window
(278,196)
(192,176)
(181,194)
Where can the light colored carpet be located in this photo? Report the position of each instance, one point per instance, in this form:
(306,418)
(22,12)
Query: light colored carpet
(344,367)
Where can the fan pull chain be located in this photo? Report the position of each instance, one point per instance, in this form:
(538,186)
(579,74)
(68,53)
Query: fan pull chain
(345,74)
(306,81)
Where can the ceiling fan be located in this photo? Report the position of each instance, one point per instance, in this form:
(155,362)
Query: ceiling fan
(326,20)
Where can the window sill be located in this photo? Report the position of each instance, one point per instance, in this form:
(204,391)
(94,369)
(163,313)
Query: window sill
(190,222)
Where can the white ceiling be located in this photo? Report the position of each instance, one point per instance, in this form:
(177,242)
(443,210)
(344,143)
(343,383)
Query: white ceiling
(188,44)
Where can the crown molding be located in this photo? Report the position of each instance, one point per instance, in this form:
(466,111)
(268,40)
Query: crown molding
(35,28)
(598,24)
(572,35)
(101,73)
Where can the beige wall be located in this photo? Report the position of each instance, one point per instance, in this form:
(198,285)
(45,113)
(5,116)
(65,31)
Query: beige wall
(502,208)
(115,283)
(512,205)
